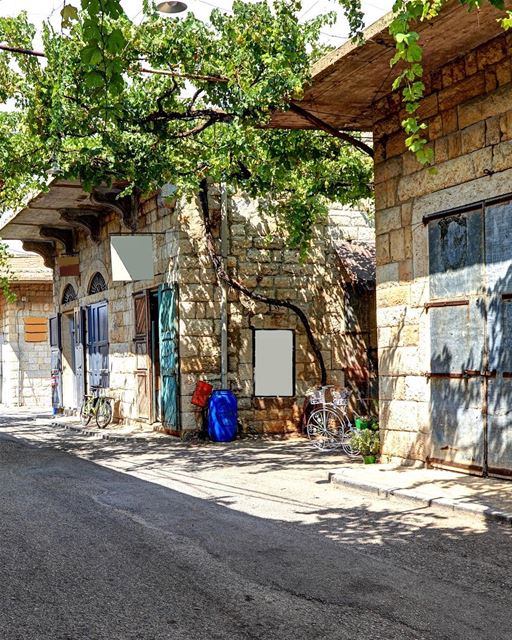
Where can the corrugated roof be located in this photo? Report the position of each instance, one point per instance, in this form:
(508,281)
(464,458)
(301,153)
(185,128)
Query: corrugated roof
(358,260)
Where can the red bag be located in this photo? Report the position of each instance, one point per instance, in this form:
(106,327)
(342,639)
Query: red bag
(201,393)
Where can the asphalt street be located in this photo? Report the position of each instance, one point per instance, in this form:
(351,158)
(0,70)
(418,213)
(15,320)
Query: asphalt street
(150,541)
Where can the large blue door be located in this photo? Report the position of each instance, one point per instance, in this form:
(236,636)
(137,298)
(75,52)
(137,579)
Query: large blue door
(470,311)
(97,343)
(168,334)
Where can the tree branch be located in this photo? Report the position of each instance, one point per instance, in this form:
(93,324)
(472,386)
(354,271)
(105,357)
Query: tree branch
(158,72)
(194,131)
(212,114)
(223,276)
(321,124)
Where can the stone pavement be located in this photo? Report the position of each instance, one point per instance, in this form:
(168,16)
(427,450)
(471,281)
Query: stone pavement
(484,498)
(112,432)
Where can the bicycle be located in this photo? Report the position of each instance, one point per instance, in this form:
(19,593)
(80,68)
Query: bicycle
(99,407)
(329,426)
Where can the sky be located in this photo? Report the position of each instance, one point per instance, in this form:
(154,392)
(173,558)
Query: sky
(40,10)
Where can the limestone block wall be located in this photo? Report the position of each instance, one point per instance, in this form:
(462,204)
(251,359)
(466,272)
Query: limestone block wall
(25,365)
(260,259)
(469,112)
(155,217)
(259,262)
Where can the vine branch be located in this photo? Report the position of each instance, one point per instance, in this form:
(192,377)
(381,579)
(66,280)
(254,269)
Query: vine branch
(223,276)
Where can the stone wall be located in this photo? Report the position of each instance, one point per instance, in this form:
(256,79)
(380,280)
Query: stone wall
(95,257)
(25,365)
(259,262)
(258,258)
(469,112)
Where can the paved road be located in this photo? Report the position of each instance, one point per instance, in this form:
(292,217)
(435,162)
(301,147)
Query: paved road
(132,541)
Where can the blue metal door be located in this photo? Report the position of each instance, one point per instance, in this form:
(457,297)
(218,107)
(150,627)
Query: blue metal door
(498,293)
(169,363)
(457,335)
(97,343)
(471,338)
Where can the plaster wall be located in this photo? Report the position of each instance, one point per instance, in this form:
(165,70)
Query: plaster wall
(25,365)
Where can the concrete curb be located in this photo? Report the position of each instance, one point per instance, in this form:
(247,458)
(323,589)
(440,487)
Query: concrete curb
(98,435)
(475,509)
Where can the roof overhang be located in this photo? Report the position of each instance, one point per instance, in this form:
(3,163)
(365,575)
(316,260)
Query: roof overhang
(348,82)
(50,219)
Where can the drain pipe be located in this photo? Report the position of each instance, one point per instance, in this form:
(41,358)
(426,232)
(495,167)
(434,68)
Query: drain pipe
(224,247)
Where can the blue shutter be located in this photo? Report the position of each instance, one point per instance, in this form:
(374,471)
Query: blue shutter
(168,326)
(98,347)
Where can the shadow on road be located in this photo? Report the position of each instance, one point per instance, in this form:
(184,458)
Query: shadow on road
(354,571)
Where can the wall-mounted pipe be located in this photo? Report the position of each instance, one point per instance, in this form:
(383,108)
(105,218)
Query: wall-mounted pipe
(224,248)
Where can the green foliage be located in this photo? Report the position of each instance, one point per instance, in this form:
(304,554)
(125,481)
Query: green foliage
(367,442)
(409,55)
(5,274)
(90,114)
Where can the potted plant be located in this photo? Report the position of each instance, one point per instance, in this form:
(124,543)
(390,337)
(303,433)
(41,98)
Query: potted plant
(367,442)
(362,422)
(368,418)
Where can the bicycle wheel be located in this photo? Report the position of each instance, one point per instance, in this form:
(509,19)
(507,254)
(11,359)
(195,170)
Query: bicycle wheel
(85,412)
(324,428)
(348,431)
(103,413)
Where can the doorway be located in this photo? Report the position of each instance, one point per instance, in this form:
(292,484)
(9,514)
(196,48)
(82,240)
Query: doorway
(155,357)
(156,353)
(69,399)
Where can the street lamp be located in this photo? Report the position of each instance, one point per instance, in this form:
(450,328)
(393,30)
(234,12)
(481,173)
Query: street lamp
(171,7)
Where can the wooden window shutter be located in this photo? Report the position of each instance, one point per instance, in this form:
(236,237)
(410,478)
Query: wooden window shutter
(36,329)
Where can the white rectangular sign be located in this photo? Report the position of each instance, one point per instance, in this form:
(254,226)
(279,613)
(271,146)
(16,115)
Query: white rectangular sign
(132,257)
(273,363)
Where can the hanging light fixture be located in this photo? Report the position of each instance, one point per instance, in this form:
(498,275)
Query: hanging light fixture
(171,7)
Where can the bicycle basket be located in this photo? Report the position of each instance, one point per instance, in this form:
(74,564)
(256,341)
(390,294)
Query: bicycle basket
(317,396)
(340,398)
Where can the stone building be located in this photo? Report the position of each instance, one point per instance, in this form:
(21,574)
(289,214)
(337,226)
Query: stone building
(150,341)
(444,250)
(24,351)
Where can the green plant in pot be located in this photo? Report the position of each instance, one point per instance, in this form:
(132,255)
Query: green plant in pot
(366,422)
(367,442)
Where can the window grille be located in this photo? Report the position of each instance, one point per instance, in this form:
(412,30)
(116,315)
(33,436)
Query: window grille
(69,294)
(97,284)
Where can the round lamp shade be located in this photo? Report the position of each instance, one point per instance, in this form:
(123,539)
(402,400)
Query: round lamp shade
(172,6)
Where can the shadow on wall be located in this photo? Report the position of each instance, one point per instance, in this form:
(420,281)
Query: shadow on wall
(469,376)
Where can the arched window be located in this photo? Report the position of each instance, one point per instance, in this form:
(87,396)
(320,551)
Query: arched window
(97,284)
(69,294)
